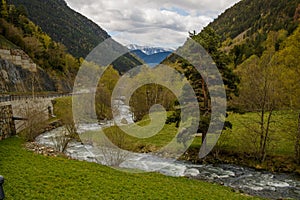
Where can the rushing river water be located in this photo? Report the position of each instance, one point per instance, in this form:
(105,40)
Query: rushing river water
(259,183)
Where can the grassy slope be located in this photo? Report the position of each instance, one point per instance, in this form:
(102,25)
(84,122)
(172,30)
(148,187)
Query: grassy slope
(283,127)
(31,176)
(282,131)
(237,144)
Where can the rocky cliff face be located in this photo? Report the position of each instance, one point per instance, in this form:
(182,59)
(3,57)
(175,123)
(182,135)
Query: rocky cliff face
(18,73)
(14,78)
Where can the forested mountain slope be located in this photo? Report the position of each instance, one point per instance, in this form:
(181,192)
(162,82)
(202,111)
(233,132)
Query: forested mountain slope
(244,28)
(254,15)
(76,32)
(79,34)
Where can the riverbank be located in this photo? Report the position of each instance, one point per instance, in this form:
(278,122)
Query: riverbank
(240,179)
(233,147)
(31,176)
(278,164)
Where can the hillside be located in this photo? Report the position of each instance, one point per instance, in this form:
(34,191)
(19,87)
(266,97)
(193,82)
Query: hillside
(244,28)
(31,176)
(76,32)
(79,34)
(254,15)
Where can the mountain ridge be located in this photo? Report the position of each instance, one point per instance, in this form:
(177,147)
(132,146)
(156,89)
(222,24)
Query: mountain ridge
(148,49)
(78,33)
(153,59)
(244,28)
(256,14)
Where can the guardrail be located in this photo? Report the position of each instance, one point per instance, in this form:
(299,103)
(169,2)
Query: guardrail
(7,98)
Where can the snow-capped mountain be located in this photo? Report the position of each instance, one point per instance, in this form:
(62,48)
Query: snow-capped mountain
(150,55)
(149,50)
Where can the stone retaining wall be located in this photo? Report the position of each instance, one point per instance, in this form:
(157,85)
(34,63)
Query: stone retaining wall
(7,126)
(18,57)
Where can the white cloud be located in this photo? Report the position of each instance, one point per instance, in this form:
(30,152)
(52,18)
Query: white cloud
(157,23)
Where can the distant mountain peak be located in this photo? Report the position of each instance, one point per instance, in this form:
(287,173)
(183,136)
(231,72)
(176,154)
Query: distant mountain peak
(150,55)
(149,50)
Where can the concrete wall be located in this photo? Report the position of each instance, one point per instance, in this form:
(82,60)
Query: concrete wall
(7,126)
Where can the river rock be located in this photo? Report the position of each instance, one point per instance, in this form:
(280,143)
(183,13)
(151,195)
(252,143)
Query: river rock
(191,172)
(253,187)
(278,184)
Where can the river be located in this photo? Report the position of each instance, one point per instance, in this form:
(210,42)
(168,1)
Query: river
(250,181)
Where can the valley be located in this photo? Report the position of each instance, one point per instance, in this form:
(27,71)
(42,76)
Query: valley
(216,118)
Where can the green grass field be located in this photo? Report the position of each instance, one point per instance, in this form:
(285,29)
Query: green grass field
(239,139)
(31,176)
(161,139)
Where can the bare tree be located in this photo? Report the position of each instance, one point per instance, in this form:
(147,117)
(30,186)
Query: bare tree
(62,140)
(35,115)
(259,93)
(297,143)
(69,133)
(113,150)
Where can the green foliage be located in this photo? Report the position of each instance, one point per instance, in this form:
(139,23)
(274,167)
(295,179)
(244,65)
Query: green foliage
(279,68)
(76,32)
(240,139)
(37,44)
(210,41)
(4,9)
(175,117)
(260,91)
(64,25)
(255,15)
(46,53)
(247,23)
(62,107)
(104,92)
(158,91)
(147,96)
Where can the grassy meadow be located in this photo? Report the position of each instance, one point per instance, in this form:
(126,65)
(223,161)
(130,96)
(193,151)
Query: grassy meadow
(32,176)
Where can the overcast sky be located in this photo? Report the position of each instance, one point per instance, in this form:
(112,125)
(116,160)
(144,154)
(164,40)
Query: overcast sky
(162,23)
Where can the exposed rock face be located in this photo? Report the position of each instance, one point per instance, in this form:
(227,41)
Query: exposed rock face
(18,73)
(18,57)
(14,78)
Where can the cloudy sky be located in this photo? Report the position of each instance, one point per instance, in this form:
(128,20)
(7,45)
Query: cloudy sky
(163,23)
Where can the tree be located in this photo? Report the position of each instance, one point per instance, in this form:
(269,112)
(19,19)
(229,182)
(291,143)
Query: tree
(288,61)
(260,92)
(211,42)
(69,130)
(33,112)
(4,9)
(297,143)
(104,92)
